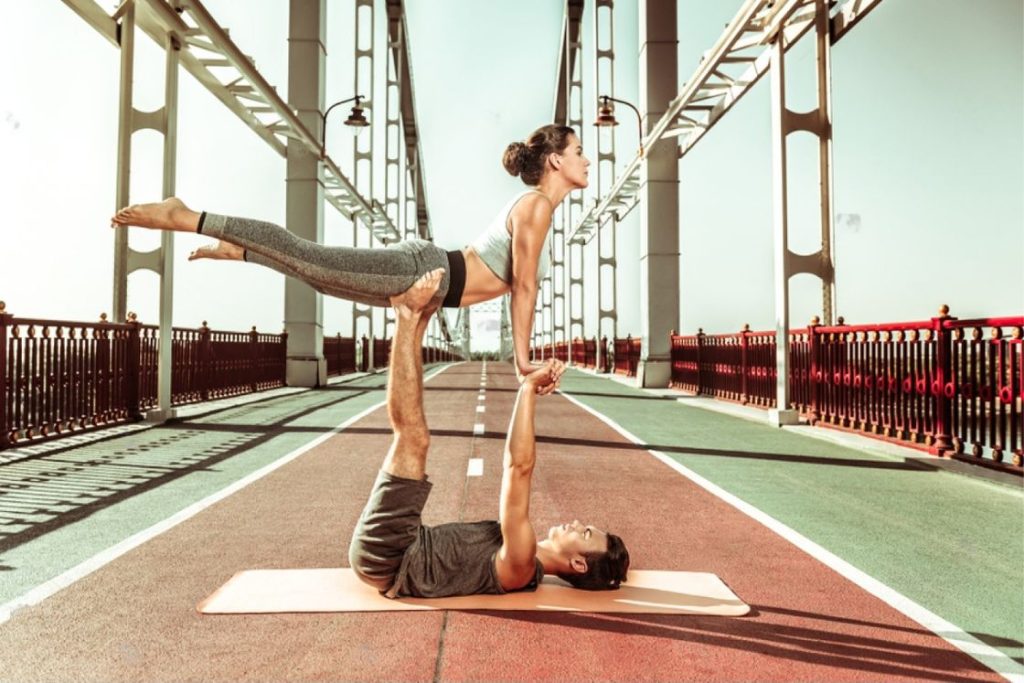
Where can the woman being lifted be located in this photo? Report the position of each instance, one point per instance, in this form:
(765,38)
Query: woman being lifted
(512,255)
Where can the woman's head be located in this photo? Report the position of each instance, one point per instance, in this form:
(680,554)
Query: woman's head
(549,149)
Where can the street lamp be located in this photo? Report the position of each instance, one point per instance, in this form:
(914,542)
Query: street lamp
(606,116)
(355,119)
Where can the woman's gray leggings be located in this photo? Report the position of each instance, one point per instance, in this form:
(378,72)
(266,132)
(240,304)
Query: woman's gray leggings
(366,276)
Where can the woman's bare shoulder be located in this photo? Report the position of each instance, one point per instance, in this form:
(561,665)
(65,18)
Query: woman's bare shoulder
(533,210)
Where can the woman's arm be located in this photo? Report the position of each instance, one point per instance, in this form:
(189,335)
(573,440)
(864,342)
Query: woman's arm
(530,223)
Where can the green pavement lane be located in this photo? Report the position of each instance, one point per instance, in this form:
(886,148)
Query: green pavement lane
(951,543)
(63,508)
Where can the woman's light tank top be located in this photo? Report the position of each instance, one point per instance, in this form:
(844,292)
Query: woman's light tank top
(494,245)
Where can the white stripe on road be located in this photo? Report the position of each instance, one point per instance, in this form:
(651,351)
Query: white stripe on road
(476,467)
(478,429)
(86,567)
(951,633)
(480,409)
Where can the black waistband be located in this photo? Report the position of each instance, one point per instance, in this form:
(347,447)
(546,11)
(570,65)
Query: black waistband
(456,279)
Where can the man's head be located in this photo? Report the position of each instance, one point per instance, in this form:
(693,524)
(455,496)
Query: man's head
(593,559)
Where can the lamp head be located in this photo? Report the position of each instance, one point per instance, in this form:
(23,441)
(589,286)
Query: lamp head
(606,113)
(356,120)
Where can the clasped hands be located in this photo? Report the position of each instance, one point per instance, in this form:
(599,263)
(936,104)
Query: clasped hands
(544,378)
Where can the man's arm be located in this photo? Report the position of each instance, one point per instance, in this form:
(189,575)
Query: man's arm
(515,561)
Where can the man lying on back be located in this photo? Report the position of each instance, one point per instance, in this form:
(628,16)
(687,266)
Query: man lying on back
(395,553)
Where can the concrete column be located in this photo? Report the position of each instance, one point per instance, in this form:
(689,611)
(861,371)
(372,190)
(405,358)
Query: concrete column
(659,196)
(303,306)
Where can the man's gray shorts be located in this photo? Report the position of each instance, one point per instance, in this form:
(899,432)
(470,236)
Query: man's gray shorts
(389,524)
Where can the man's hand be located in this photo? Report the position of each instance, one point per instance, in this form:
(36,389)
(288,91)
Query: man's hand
(416,301)
(546,378)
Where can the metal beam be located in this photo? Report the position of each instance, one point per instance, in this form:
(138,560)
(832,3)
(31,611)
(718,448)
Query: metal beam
(689,116)
(220,66)
(410,126)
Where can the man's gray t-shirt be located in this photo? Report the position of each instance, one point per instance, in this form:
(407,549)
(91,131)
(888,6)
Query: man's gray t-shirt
(454,559)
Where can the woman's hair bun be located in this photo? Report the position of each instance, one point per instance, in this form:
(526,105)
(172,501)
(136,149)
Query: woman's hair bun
(516,159)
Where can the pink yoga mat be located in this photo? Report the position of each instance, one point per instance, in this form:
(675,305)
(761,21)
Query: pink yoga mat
(261,591)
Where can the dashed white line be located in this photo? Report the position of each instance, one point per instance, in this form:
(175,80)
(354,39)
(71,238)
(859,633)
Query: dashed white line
(478,429)
(480,409)
(476,467)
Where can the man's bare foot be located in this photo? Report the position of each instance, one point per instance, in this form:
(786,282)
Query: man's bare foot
(221,250)
(170,214)
(418,297)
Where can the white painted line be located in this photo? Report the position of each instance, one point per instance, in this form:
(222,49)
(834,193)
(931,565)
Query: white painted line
(478,429)
(480,409)
(97,561)
(476,467)
(952,634)
(481,396)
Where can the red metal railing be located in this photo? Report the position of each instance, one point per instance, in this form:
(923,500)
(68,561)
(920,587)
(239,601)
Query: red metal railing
(381,352)
(210,364)
(60,377)
(935,384)
(340,353)
(627,356)
(583,353)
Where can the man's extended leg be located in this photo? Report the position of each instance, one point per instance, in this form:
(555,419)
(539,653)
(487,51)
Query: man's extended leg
(408,454)
(391,520)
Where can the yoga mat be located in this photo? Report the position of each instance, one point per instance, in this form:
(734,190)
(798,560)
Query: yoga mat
(262,591)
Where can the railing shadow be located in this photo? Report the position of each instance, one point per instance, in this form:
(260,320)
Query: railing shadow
(42,493)
(828,646)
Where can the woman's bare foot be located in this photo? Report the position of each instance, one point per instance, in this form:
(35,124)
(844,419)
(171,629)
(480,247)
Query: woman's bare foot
(170,214)
(221,250)
(417,298)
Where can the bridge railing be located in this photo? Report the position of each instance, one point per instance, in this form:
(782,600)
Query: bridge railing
(60,377)
(627,356)
(340,354)
(936,384)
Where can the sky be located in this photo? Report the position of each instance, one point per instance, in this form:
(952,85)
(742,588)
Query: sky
(928,159)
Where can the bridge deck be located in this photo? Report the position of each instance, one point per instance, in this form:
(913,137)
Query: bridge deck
(946,542)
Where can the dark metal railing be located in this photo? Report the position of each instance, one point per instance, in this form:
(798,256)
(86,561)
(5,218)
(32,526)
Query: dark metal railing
(211,364)
(381,352)
(59,377)
(936,384)
(340,354)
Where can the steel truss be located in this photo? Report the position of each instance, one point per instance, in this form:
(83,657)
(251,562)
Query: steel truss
(607,312)
(568,109)
(728,71)
(362,147)
(208,53)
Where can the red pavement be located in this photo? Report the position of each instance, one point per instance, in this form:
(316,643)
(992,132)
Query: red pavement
(134,620)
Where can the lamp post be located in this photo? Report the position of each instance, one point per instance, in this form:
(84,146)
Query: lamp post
(606,117)
(355,119)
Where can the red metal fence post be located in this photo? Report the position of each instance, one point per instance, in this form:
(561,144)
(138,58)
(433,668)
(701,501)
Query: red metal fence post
(5,319)
(814,377)
(943,374)
(284,358)
(254,358)
(744,363)
(102,380)
(700,361)
(205,362)
(132,374)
